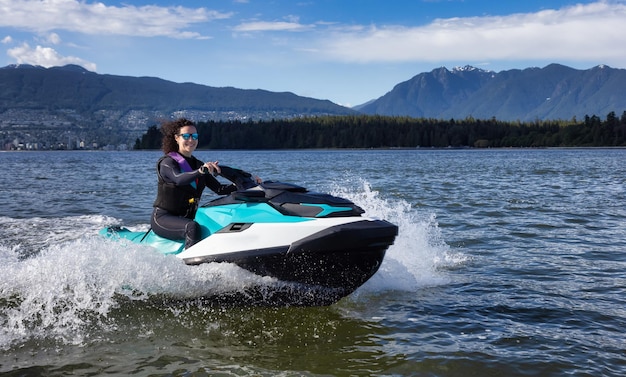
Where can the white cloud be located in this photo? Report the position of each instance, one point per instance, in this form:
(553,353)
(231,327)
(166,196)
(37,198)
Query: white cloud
(6,40)
(271,26)
(100,19)
(45,57)
(53,38)
(593,31)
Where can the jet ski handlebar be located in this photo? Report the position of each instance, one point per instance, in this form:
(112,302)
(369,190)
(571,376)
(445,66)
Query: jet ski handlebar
(242,179)
(246,181)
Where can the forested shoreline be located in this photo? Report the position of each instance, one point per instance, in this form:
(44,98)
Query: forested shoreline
(373,131)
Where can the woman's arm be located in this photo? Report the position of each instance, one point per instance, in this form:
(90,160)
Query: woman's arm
(168,169)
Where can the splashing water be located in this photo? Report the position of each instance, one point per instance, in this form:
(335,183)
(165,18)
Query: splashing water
(57,282)
(419,253)
(67,288)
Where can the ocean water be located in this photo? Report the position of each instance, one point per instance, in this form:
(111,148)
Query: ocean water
(507,263)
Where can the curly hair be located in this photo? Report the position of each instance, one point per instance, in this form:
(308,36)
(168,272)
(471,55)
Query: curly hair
(170,130)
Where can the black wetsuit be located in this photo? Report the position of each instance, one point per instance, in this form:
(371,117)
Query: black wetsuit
(177,199)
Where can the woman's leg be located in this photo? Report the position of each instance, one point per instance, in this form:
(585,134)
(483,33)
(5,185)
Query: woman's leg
(175,227)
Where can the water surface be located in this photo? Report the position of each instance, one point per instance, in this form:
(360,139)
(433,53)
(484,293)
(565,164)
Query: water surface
(508,263)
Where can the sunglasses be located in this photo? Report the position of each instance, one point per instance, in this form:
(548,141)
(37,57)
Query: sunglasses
(187,136)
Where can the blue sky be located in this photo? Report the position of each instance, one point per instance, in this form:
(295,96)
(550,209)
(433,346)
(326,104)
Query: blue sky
(346,51)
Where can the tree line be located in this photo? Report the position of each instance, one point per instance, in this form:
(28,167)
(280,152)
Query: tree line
(375,131)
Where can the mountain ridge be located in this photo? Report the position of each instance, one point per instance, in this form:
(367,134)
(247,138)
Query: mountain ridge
(553,92)
(69,103)
(169,94)
(38,102)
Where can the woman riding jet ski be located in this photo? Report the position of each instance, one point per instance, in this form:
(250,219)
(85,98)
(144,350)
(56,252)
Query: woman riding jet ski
(182,178)
(315,240)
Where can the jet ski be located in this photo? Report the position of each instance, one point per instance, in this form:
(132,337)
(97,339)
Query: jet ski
(321,245)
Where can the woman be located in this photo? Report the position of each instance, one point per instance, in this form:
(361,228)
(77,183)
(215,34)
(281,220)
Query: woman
(182,178)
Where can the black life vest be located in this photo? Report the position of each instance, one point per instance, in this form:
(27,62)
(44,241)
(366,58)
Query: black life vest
(179,200)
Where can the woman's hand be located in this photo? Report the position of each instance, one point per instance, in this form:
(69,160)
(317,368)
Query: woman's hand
(211,167)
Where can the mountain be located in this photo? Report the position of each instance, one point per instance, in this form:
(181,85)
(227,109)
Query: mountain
(109,108)
(552,92)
